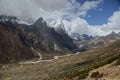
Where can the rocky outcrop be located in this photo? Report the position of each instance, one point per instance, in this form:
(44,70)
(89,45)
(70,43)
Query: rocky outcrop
(49,39)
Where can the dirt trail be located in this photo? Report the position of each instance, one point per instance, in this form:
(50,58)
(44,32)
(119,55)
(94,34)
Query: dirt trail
(40,58)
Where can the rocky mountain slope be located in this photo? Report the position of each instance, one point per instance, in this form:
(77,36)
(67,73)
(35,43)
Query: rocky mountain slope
(20,41)
(12,49)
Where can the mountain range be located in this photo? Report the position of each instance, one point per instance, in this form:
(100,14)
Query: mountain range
(85,42)
(40,51)
(20,41)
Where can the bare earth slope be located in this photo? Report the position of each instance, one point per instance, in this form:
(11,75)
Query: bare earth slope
(109,71)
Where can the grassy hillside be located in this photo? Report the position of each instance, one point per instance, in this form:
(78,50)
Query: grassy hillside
(74,67)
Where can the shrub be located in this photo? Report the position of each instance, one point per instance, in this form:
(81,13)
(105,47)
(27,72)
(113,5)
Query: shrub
(95,74)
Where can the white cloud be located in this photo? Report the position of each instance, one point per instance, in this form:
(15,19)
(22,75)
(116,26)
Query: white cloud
(70,11)
(81,26)
(46,8)
(18,8)
(113,23)
(52,5)
(88,5)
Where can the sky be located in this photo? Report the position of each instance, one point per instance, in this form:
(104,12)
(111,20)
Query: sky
(92,17)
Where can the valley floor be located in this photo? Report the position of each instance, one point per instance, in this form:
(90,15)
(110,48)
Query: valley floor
(38,71)
(73,67)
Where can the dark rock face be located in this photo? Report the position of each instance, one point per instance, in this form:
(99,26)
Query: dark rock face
(49,39)
(17,41)
(11,47)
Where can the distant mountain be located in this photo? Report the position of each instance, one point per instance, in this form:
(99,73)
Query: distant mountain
(20,41)
(81,37)
(85,42)
(81,40)
(103,40)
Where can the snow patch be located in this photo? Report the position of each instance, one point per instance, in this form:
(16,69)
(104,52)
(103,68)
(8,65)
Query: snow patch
(23,22)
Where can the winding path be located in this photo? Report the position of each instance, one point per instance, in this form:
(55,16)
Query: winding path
(40,58)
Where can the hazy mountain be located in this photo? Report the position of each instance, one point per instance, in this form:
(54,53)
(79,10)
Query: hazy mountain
(81,41)
(85,42)
(81,37)
(103,40)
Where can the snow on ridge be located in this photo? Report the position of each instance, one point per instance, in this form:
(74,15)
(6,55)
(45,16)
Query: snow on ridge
(23,22)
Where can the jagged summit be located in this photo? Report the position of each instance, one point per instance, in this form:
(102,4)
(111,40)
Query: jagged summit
(40,25)
(21,42)
(112,33)
(58,25)
(39,20)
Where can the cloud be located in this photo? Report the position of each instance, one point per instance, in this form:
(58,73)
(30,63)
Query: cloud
(69,11)
(23,9)
(51,5)
(88,5)
(46,8)
(81,26)
(78,25)
(113,23)
(34,8)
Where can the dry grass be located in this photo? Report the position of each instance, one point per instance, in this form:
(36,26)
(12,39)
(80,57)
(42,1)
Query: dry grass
(75,67)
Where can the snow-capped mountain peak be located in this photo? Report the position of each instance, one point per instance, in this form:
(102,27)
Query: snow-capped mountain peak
(58,25)
(77,36)
(12,19)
